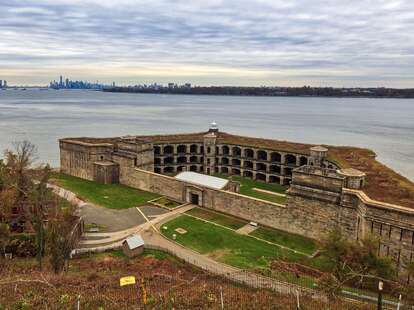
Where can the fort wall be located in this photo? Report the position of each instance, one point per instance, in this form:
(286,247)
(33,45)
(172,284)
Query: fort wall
(77,158)
(251,209)
(320,197)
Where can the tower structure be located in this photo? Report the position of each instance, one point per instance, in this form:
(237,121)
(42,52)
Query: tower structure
(210,140)
(318,156)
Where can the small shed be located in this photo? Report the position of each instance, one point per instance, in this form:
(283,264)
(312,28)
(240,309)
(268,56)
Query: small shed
(133,246)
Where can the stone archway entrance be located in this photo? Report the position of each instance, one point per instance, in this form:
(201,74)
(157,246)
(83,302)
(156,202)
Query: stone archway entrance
(194,195)
(194,199)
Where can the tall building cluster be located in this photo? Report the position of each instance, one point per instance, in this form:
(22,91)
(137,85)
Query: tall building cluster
(69,84)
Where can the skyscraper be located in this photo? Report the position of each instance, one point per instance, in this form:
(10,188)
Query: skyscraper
(61,81)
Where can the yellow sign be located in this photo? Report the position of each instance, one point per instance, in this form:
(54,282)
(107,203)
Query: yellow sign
(127,281)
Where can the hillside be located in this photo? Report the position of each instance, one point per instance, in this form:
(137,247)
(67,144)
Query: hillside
(169,284)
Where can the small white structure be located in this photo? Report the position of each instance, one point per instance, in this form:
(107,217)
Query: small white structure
(133,246)
(202,179)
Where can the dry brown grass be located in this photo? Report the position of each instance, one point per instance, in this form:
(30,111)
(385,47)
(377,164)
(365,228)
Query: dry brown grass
(168,284)
(383,183)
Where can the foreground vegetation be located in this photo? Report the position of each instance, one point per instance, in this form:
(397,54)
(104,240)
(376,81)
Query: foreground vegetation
(27,205)
(341,265)
(113,196)
(168,284)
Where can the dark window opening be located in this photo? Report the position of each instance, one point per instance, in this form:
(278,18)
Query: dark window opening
(181,149)
(290,159)
(260,177)
(248,153)
(225,150)
(261,155)
(194,199)
(236,151)
(275,157)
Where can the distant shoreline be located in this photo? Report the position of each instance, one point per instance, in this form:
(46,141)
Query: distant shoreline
(375,93)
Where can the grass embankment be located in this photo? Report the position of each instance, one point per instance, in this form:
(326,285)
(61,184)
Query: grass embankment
(289,240)
(232,248)
(218,218)
(113,196)
(169,284)
(247,188)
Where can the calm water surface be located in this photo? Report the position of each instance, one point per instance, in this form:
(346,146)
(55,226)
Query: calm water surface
(384,125)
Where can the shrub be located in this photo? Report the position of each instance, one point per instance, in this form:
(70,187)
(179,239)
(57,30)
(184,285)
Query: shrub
(22,245)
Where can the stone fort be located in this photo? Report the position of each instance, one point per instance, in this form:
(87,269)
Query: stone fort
(326,190)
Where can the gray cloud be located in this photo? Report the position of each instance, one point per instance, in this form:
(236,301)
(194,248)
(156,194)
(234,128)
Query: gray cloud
(333,42)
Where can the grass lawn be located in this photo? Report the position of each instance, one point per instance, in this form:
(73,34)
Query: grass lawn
(113,196)
(292,241)
(226,246)
(166,202)
(219,218)
(247,185)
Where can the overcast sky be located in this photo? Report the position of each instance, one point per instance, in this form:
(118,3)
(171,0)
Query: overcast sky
(210,42)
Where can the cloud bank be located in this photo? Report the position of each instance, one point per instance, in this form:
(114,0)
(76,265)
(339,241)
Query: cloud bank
(296,42)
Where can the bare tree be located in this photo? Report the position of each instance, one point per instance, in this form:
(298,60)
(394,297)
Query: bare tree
(16,183)
(41,197)
(19,162)
(59,238)
(355,263)
(4,237)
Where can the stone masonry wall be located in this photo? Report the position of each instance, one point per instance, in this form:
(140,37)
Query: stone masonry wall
(309,221)
(77,159)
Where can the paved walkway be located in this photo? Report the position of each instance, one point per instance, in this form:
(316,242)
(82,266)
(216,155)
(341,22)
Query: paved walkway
(98,242)
(109,220)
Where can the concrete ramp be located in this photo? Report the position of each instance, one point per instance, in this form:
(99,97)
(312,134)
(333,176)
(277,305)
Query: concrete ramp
(246,229)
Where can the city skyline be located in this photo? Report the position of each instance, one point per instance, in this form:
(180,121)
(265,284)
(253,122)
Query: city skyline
(295,43)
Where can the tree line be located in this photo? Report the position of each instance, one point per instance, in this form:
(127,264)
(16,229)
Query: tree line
(27,205)
(306,91)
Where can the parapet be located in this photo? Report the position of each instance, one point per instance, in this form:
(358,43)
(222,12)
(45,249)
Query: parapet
(354,178)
